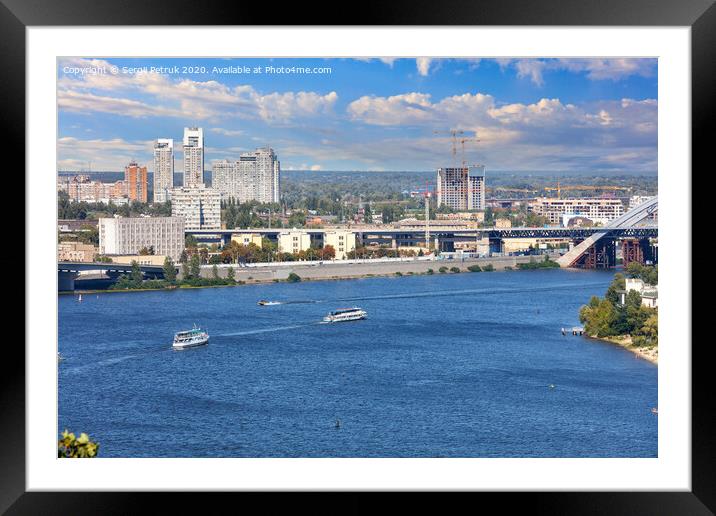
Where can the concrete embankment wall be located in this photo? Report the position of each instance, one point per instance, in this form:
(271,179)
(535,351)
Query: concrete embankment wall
(338,270)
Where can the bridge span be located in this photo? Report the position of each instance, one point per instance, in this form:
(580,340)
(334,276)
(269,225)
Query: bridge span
(68,272)
(595,243)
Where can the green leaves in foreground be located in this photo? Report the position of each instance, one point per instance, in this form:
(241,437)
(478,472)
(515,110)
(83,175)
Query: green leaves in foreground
(69,447)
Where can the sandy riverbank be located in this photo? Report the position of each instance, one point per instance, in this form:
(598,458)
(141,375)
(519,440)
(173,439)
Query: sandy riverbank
(650,353)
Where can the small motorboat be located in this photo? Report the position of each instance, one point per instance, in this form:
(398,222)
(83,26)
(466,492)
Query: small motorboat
(263,302)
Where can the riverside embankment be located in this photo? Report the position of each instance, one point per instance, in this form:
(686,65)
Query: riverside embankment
(327,270)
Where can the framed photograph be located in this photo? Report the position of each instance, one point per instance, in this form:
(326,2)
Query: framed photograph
(419,253)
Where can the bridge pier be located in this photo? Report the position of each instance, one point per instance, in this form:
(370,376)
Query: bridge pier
(66,281)
(601,255)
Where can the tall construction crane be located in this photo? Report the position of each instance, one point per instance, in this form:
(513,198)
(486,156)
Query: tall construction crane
(453,133)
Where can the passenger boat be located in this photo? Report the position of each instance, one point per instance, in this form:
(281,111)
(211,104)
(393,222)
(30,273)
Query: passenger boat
(263,302)
(345,314)
(190,338)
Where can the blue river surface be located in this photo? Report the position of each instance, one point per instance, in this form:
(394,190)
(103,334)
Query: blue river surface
(447,365)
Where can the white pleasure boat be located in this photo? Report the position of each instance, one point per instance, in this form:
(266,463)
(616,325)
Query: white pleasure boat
(345,314)
(190,338)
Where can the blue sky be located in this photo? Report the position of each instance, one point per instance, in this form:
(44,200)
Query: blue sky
(364,114)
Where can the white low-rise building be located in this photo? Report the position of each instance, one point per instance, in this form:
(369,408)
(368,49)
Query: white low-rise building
(128,235)
(341,240)
(649,293)
(293,241)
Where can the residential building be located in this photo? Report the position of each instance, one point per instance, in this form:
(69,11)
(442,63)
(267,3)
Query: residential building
(254,177)
(127,236)
(225,178)
(649,293)
(199,206)
(461,188)
(135,178)
(636,200)
(247,238)
(75,252)
(193,156)
(341,240)
(141,259)
(163,169)
(81,188)
(293,241)
(476,216)
(267,171)
(595,209)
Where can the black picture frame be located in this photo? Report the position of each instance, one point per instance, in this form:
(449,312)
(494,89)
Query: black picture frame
(700,15)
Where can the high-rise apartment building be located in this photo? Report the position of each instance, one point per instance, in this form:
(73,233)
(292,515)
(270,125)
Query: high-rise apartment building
(129,235)
(163,169)
(199,206)
(461,188)
(254,177)
(135,178)
(193,156)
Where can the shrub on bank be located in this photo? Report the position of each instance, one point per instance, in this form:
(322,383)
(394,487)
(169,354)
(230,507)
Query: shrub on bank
(474,268)
(69,447)
(454,270)
(398,273)
(293,278)
(533,264)
(430,271)
(443,270)
(488,268)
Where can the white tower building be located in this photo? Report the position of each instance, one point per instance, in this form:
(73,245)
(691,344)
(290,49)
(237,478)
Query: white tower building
(163,169)
(193,156)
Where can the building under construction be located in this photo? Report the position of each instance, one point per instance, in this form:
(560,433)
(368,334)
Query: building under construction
(461,188)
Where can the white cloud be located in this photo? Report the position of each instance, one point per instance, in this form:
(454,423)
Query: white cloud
(226,132)
(423,65)
(111,154)
(147,93)
(596,69)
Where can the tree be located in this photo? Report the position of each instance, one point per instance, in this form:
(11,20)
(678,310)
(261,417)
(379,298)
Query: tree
(136,275)
(215,272)
(195,266)
(598,319)
(170,271)
(230,275)
(618,283)
(650,329)
(328,252)
(190,241)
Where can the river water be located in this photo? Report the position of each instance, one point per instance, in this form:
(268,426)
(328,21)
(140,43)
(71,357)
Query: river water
(448,365)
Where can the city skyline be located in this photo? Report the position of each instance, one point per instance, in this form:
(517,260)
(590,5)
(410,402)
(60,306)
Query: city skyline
(367,114)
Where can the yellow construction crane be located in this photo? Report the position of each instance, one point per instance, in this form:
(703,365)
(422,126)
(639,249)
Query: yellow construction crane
(559,189)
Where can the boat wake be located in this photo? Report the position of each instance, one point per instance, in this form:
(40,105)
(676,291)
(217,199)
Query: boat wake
(267,330)
(484,291)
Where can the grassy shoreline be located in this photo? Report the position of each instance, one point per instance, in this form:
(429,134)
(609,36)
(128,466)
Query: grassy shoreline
(649,353)
(304,279)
